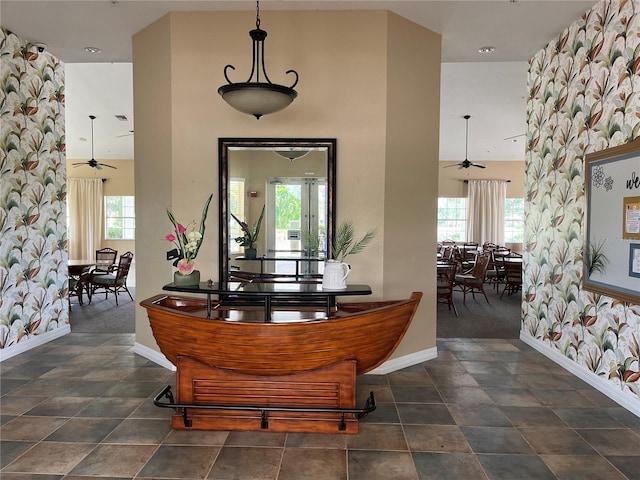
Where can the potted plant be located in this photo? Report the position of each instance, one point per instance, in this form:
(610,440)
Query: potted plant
(344,244)
(187,241)
(250,236)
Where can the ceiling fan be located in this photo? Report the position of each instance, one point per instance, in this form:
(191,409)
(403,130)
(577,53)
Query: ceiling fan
(93,162)
(466,163)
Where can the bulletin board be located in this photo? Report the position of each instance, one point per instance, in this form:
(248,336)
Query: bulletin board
(612,244)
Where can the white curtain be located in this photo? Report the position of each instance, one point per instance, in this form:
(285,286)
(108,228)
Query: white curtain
(84,196)
(485,211)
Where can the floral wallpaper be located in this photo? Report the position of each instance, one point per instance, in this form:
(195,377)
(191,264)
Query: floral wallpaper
(584,96)
(33,246)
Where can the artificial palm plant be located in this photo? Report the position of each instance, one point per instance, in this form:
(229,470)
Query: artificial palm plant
(345,242)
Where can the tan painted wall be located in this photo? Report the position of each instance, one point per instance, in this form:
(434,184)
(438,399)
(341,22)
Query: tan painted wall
(345,91)
(153,166)
(119,182)
(451,180)
(411,173)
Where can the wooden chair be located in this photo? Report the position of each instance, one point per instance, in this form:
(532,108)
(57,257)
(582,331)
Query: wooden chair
(464,264)
(105,260)
(489,245)
(513,277)
(113,282)
(470,250)
(495,269)
(474,281)
(445,283)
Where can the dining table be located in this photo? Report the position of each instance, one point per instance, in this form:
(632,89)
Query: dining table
(79,271)
(512,259)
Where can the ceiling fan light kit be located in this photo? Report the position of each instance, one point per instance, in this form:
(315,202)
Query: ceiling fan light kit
(257,97)
(466,163)
(93,163)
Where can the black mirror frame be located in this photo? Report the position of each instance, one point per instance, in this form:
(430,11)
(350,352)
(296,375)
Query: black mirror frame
(224,144)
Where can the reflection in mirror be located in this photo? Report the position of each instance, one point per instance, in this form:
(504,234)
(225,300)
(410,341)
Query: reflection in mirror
(294,181)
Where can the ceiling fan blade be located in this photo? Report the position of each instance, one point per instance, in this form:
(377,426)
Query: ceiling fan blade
(515,136)
(110,166)
(452,165)
(130,134)
(98,166)
(479,165)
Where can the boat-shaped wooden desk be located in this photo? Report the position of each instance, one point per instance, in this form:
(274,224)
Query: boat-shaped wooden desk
(258,367)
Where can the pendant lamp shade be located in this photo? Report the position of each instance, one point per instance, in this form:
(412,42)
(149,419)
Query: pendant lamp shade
(257,99)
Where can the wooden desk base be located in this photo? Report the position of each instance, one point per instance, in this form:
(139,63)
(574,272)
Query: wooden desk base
(331,387)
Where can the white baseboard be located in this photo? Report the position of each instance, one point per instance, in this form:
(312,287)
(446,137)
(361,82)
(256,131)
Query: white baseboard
(154,356)
(33,342)
(624,399)
(405,361)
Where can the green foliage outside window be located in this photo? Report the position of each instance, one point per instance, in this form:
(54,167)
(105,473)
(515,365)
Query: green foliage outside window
(287,206)
(514,220)
(120,221)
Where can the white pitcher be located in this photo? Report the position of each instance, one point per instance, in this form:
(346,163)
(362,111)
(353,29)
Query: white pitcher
(335,274)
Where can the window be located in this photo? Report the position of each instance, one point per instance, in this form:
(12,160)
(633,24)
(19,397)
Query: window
(120,217)
(452,219)
(514,220)
(236,206)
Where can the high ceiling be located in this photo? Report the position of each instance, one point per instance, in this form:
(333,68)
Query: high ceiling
(489,87)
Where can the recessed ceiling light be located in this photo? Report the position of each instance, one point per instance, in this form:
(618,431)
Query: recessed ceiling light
(92,50)
(487,49)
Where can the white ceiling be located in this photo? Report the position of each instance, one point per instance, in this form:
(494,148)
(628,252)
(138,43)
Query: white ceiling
(490,87)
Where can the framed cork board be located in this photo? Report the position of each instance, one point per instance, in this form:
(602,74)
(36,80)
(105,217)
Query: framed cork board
(612,187)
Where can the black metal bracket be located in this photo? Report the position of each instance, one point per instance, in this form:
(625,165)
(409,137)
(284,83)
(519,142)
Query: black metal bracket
(370,406)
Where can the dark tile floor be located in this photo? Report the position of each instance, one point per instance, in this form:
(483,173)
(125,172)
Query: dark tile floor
(80,407)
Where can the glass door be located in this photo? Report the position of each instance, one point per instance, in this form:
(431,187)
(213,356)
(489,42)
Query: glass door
(296,213)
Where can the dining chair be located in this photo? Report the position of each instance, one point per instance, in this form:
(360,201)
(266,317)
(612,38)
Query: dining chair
(495,269)
(513,277)
(445,282)
(474,280)
(105,260)
(115,282)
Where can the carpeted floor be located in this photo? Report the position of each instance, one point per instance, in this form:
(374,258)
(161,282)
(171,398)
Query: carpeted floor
(104,316)
(500,318)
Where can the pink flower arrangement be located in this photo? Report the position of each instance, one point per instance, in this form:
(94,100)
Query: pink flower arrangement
(187,241)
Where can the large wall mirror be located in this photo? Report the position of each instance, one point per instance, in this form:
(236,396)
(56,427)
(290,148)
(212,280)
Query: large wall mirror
(293,182)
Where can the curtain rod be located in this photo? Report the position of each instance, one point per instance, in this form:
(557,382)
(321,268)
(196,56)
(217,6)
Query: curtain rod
(467,181)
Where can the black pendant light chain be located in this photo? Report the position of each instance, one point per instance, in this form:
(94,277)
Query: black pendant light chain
(258,15)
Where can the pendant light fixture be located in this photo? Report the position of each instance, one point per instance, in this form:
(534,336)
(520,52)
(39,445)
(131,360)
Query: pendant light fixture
(258,97)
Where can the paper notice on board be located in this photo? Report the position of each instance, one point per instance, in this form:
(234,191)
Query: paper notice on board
(635,261)
(632,220)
